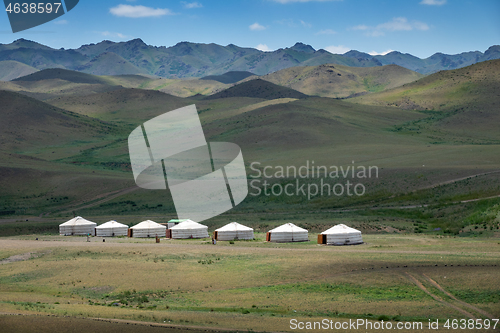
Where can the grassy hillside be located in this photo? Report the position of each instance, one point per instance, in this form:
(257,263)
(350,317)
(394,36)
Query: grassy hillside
(53,82)
(272,129)
(110,63)
(185,87)
(462,103)
(341,81)
(10,70)
(229,77)
(27,122)
(62,74)
(126,106)
(258,89)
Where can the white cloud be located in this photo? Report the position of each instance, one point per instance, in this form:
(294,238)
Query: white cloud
(138,11)
(288,22)
(402,24)
(113,34)
(326,32)
(257,27)
(263,47)
(61,22)
(360,27)
(305,24)
(396,24)
(290,1)
(433,2)
(340,49)
(191,5)
(374,53)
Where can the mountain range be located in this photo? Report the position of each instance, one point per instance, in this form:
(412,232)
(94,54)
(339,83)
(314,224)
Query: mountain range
(187,59)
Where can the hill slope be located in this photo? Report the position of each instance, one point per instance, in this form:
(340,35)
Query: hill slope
(10,69)
(62,74)
(341,81)
(128,106)
(258,89)
(229,77)
(465,98)
(110,63)
(27,122)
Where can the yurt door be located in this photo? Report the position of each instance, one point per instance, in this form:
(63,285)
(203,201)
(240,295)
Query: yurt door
(130,232)
(216,234)
(268,237)
(321,239)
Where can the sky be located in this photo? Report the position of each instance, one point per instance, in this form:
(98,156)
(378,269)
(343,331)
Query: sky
(418,27)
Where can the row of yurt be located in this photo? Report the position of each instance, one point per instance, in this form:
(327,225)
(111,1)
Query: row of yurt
(184,229)
(77,226)
(340,235)
(233,231)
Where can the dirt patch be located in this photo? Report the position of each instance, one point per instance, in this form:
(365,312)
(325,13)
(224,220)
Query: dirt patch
(21,257)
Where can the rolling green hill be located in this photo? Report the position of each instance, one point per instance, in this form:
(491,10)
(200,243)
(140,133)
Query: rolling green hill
(109,63)
(258,89)
(462,102)
(185,87)
(341,81)
(10,70)
(229,77)
(129,107)
(28,123)
(71,151)
(62,74)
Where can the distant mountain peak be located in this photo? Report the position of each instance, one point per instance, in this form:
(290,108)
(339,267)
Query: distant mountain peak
(136,42)
(357,54)
(301,47)
(187,59)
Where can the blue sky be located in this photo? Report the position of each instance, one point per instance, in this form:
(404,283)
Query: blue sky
(419,27)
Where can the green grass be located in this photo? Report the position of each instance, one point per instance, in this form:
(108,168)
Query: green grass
(261,281)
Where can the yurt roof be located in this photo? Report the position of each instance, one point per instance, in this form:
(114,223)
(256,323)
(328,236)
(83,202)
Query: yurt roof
(78,221)
(111,224)
(287,227)
(340,229)
(148,224)
(188,224)
(234,226)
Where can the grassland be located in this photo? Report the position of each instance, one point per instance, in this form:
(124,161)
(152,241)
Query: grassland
(251,284)
(337,81)
(435,201)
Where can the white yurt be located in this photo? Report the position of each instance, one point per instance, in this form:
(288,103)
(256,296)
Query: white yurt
(77,226)
(110,229)
(233,231)
(340,235)
(189,229)
(288,232)
(147,228)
